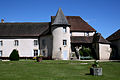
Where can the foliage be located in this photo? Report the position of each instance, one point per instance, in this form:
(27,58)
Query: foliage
(34,58)
(85,51)
(95,64)
(14,56)
(40,56)
(73,54)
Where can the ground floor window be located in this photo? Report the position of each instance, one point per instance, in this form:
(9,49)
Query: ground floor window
(44,53)
(35,52)
(0,53)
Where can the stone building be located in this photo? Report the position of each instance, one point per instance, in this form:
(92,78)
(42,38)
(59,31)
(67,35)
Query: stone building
(56,39)
(115,44)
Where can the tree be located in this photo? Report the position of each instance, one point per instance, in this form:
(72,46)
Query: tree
(85,51)
(14,56)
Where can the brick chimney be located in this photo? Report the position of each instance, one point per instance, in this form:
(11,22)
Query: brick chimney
(2,20)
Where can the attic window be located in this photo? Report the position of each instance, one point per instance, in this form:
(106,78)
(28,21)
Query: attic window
(64,29)
(86,33)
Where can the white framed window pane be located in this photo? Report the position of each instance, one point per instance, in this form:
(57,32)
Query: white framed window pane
(35,52)
(44,53)
(35,42)
(87,33)
(1,43)
(16,42)
(64,29)
(64,42)
(0,53)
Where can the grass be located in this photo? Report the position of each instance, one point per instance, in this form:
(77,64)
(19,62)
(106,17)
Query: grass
(56,70)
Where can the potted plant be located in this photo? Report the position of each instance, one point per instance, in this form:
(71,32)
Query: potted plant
(39,58)
(96,69)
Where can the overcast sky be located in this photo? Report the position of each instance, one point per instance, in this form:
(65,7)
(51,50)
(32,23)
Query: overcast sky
(103,15)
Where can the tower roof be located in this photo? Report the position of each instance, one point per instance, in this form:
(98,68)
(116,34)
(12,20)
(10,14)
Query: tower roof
(60,19)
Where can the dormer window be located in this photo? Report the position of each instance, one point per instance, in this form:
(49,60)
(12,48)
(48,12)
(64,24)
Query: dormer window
(64,29)
(87,33)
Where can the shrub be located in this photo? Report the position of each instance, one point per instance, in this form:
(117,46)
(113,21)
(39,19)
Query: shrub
(34,58)
(14,56)
(85,51)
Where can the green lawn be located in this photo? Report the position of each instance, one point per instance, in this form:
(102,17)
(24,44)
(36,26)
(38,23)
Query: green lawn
(56,70)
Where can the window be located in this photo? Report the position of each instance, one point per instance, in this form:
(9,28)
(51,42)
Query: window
(35,42)
(64,42)
(1,43)
(0,53)
(16,43)
(43,42)
(35,52)
(43,52)
(87,33)
(64,29)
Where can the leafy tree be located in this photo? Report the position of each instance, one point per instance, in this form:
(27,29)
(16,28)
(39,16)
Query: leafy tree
(85,51)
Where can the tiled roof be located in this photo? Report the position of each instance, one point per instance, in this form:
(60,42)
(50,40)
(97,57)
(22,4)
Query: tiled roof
(114,36)
(99,39)
(23,29)
(60,19)
(77,23)
(81,39)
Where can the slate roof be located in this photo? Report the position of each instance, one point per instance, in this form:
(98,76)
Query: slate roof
(23,29)
(77,24)
(60,19)
(99,39)
(81,39)
(43,28)
(114,36)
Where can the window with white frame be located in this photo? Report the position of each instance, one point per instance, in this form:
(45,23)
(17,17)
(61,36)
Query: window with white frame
(64,42)
(44,53)
(0,53)
(64,29)
(16,42)
(35,42)
(87,33)
(1,43)
(35,52)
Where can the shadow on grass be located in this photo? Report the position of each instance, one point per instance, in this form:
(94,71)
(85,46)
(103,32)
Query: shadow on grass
(87,74)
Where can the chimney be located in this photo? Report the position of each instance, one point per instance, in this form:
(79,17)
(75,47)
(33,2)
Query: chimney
(2,20)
